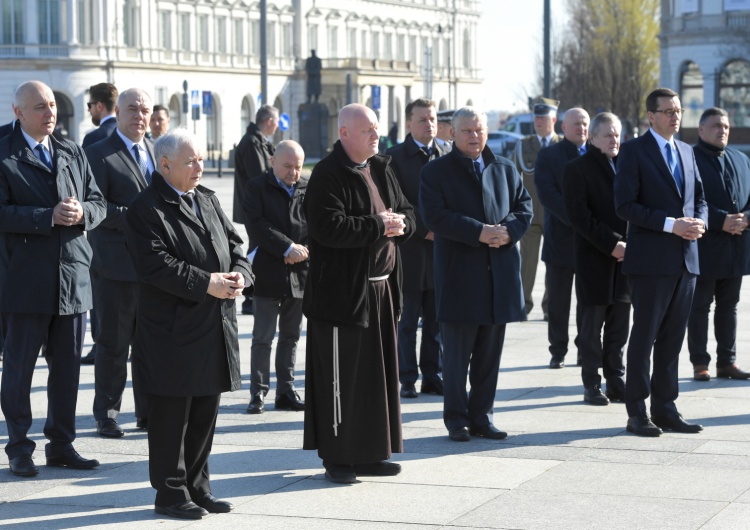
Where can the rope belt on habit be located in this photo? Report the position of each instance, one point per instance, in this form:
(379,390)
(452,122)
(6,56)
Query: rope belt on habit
(336,383)
(379,278)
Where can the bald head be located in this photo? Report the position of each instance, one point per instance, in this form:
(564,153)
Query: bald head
(133,111)
(575,125)
(35,108)
(287,161)
(358,130)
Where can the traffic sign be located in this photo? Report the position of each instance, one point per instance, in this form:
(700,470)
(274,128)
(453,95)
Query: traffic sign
(284,121)
(375,97)
(208,103)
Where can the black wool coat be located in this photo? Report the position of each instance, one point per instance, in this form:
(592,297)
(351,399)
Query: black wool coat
(185,340)
(252,158)
(407,160)
(275,221)
(342,229)
(588,190)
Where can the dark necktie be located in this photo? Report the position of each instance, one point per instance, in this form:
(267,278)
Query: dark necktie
(674,167)
(43,156)
(543,142)
(426,150)
(189,198)
(477,169)
(141,161)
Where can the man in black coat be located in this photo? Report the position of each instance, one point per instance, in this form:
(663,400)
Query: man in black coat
(101,104)
(122,165)
(252,158)
(275,220)
(407,160)
(356,217)
(557,249)
(658,191)
(601,288)
(478,209)
(724,250)
(190,267)
(48,199)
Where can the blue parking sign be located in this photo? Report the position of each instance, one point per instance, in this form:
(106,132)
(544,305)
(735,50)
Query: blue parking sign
(375,97)
(284,121)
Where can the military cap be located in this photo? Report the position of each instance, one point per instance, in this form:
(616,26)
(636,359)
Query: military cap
(545,106)
(444,116)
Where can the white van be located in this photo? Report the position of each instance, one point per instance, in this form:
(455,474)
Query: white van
(522,124)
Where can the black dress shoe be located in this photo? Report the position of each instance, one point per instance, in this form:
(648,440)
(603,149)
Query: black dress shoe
(141,423)
(488,431)
(408,390)
(377,469)
(71,459)
(256,405)
(340,473)
(594,396)
(182,510)
(108,428)
(433,386)
(732,372)
(23,466)
(615,396)
(459,435)
(289,401)
(557,362)
(90,357)
(642,426)
(676,424)
(213,505)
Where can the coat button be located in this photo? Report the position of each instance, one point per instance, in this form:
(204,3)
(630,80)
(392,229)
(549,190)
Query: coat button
(191,285)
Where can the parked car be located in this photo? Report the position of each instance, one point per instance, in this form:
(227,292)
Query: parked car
(522,124)
(502,143)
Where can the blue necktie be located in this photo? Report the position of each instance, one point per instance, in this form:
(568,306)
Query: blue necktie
(582,150)
(674,167)
(141,163)
(426,150)
(43,155)
(477,169)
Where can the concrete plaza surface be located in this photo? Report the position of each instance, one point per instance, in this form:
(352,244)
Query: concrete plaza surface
(565,464)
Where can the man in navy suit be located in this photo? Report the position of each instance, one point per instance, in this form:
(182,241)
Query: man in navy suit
(659,192)
(101,104)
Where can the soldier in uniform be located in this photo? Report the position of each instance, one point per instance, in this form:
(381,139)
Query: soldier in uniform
(524,156)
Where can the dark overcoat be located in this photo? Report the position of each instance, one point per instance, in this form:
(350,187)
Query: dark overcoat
(185,340)
(475,284)
(407,160)
(120,180)
(274,221)
(723,255)
(588,190)
(558,245)
(342,229)
(252,158)
(645,195)
(45,268)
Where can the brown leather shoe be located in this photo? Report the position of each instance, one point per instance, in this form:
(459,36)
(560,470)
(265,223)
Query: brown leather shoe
(700,373)
(732,372)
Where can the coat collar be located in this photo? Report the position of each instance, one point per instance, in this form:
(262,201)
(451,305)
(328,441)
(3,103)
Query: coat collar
(63,151)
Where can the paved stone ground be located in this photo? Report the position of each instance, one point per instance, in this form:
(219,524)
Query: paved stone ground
(564,465)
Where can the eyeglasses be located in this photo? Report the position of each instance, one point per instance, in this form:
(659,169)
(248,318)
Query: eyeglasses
(669,113)
(91,103)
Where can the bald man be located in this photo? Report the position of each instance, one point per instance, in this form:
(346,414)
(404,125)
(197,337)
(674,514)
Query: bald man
(122,165)
(356,216)
(275,220)
(48,200)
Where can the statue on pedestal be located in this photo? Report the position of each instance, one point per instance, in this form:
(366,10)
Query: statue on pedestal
(313,66)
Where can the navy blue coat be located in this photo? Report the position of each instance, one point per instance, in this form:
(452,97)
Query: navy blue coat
(645,195)
(723,255)
(475,284)
(100,133)
(558,245)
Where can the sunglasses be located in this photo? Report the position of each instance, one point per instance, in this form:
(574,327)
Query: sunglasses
(91,103)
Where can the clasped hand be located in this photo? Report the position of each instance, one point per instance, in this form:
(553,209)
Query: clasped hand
(226,284)
(735,223)
(394,223)
(494,235)
(67,212)
(689,228)
(297,254)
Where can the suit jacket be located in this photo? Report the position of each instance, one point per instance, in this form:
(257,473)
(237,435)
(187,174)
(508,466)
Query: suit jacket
(45,268)
(274,221)
(723,255)
(588,190)
(558,245)
(524,156)
(185,339)
(645,195)
(100,133)
(252,158)
(120,180)
(6,129)
(407,160)
(475,284)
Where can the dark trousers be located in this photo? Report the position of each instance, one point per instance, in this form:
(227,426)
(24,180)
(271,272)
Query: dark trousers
(476,350)
(180,434)
(661,305)
(603,350)
(24,336)
(529,247)
(116,304)
(288,311)
(726,291)
(418,303)
(559,284)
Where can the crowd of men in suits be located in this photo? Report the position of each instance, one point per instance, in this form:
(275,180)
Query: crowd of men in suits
(441,232)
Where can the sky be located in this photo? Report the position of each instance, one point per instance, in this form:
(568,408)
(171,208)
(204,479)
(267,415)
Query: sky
(511,49)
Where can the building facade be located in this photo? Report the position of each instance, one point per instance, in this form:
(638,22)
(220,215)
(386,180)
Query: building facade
(407,48)
(704,49)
